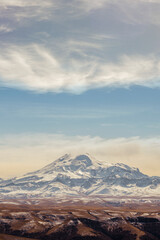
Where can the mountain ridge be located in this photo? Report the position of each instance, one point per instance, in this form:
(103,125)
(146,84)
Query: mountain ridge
(78,175)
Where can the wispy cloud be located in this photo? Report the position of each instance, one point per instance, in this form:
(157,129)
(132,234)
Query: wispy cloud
(132,11)
(75,62)
(27,9)
(36,68)
(87,6)
(5,29)
(21,150)
(139,11)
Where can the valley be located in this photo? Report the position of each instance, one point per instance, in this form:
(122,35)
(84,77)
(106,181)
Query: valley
(83,218)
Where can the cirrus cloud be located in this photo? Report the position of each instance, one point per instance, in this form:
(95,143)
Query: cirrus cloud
(17,9)
(36,68)
(141,11)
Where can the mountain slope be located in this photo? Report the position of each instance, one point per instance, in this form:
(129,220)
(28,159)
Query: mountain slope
(81,175)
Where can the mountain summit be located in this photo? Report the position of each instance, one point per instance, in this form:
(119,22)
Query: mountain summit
(68,163)
(79,175)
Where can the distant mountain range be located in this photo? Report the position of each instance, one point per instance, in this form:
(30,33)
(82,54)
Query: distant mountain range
(81,175)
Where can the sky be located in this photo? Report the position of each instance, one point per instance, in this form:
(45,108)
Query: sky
(79,76)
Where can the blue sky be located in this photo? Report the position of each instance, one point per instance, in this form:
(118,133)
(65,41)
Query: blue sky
(85,73)
(104,112)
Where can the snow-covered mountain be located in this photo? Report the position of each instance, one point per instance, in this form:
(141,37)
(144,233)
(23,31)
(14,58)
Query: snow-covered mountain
(81,175)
